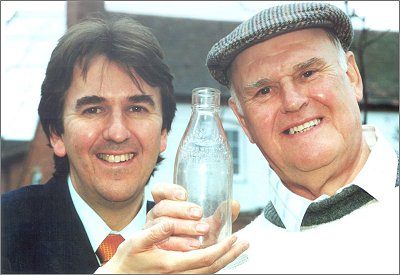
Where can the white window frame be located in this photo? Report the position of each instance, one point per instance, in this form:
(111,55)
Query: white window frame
(240,176)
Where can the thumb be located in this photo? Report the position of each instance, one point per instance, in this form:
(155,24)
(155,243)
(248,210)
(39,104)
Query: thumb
(235,210)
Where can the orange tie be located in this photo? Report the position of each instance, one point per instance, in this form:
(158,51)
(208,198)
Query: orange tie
(108,247)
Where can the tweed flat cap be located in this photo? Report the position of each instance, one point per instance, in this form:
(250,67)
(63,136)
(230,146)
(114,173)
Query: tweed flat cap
(273,22)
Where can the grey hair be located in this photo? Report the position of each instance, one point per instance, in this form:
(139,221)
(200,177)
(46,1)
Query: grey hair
(342,63)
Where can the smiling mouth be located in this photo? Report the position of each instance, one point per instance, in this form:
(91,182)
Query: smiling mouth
(303,127)
(116,158)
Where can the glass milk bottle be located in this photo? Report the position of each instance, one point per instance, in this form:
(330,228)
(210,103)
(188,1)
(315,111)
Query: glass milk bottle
(203,164)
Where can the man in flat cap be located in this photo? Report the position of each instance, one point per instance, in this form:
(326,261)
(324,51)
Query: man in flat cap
(295,88)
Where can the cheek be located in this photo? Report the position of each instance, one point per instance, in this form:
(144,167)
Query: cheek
(328,97)
(79,137)
(341,107)
(149,134)
(324,92)
(338,98)
(260,122)
(332,89)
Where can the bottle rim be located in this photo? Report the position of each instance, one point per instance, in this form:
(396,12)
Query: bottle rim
(206,97)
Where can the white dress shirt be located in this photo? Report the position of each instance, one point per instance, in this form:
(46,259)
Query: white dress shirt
(96,229)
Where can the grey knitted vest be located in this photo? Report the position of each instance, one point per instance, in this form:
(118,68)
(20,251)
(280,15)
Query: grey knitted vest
(330,209)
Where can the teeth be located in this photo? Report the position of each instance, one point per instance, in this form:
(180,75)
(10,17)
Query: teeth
(115,158)
(304,127)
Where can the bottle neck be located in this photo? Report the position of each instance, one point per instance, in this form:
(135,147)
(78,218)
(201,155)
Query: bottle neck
(205,108)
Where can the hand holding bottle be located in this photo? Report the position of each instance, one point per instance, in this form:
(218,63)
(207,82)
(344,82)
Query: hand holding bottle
(132,256)
(171,205)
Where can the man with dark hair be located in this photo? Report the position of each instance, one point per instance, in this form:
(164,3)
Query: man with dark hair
(334,197)
(106,108)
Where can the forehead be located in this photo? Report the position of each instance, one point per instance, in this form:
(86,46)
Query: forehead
(106,77)
(315,39)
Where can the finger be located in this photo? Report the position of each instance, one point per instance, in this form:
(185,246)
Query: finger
(149,238)
(219,214)
(183,227)
(175,209)
(226,211)
(180,243)
(235,210)
(168,191)
(211,258)
(235,251)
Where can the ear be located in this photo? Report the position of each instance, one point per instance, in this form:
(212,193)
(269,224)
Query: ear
(163,141)
(240,118)
(58,145)
(354,75)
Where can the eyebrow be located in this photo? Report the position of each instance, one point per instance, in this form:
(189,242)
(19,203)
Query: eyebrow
(89,100)
(142,99)
(257,84)
(315,61)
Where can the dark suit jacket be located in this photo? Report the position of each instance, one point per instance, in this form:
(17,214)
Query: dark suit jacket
(41,232)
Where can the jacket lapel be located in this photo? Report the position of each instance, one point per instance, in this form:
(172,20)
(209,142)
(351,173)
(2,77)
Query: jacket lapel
(68,246)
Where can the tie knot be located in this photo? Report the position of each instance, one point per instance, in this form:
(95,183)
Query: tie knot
(108,247)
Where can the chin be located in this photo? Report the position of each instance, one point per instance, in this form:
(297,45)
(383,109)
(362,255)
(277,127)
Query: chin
(313,163)
(120,193)
(118,198)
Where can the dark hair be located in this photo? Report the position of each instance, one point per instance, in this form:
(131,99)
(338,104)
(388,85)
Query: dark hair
(122,40)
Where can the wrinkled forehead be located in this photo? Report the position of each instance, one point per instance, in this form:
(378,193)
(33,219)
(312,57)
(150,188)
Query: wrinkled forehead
(280,50)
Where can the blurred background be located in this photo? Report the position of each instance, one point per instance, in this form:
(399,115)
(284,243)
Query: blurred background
(186,31)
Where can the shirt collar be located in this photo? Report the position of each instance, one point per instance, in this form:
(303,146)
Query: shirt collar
(378,176)
(289,206)
(292,207)
(96,229)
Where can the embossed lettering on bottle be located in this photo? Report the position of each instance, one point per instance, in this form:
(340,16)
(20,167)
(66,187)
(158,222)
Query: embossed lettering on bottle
(203,164)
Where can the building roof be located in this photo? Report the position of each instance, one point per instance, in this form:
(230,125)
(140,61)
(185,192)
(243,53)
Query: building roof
(186,43)
(13,148)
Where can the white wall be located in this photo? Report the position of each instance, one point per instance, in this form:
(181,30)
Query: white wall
(387,123)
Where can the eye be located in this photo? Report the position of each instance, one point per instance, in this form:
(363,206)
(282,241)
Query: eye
(264,91)
(92,110)
(308,74)
(137,109)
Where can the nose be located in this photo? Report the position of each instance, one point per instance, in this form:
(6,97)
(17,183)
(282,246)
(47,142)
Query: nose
(116,129)
(293,97)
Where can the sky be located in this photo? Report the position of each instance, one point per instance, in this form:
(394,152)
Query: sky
(379,15)
(30,30)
